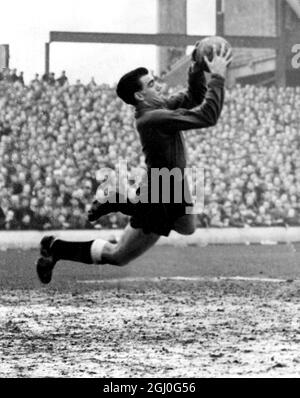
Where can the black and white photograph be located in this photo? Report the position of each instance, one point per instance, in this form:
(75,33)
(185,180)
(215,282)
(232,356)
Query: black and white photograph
(150,191)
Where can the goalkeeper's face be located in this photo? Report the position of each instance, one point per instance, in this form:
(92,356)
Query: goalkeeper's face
(150,93)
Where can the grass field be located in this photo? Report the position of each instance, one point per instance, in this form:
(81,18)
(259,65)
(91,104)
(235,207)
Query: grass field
(215,311)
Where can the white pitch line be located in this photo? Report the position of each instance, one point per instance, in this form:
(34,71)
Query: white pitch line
(183,278)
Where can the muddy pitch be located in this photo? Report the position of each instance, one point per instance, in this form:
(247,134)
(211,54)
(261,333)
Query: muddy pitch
(162,328)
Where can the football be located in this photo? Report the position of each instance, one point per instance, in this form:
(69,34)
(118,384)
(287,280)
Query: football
(205,48)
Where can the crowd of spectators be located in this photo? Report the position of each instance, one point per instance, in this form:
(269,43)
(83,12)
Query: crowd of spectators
(56,136)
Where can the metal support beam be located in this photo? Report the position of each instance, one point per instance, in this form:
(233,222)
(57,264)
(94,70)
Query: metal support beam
(4,56)
(171,18)
(162,39)
(7,56)
(281,54)
(220,18)
(47,58)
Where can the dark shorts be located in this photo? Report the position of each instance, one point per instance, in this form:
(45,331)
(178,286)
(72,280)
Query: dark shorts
(158,218)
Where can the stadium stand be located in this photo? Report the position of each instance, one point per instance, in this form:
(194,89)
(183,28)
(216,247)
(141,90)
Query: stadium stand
(55,136)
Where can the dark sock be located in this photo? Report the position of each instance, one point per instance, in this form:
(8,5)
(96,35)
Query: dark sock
(73,251)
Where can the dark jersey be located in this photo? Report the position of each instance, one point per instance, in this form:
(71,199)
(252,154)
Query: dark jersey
(160,129)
